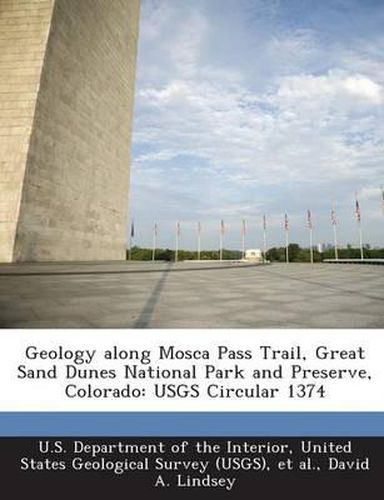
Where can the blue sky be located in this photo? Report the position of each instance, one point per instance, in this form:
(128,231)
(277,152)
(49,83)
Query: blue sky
(245,107)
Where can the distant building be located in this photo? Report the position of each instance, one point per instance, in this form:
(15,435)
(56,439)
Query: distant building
(254,254)
(320,247)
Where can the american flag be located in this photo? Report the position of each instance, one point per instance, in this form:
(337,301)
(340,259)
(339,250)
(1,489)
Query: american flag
(178,228)
(333,216)
(222,227)
(286,223)
(309,219)
(243,226)
(357,211)
(264,222)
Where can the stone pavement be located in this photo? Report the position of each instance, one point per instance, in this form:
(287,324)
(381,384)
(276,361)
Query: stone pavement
(190,295)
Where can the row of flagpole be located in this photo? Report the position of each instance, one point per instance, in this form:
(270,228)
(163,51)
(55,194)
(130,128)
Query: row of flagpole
(243,233)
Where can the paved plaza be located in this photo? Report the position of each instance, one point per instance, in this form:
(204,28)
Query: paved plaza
(191,295)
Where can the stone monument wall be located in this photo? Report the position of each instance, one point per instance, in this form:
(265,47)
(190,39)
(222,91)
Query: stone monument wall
(24,28)
(73,179)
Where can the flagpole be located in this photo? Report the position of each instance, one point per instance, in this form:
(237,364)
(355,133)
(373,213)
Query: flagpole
(361,242)
(335,242)
(310,227)
(382,198)
(286,225)
(334,224)
(177,241)
(221,246)
(265,246)
(311,244)
(131,235)
(358,218)
(243,238)
(154,241)
(198,240)
(221,239)
(286,246)
(265,238)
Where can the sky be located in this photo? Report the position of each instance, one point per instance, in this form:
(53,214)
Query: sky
(246,107)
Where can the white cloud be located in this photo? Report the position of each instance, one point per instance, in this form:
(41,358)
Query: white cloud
(155,16)
(308,117)
(184,49)
(334,87)
(371,193)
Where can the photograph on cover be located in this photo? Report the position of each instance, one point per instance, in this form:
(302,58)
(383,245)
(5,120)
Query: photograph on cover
(191,164)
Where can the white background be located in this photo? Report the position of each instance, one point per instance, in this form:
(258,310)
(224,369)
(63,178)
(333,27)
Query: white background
(48,395)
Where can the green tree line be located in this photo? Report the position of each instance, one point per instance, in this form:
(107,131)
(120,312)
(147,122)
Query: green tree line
(167,254)
(298,254)
(276,254)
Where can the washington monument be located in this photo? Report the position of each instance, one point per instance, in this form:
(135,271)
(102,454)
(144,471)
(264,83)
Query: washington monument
(67,73)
